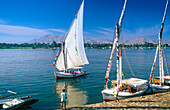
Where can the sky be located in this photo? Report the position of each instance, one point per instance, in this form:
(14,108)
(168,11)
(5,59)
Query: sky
(24,20)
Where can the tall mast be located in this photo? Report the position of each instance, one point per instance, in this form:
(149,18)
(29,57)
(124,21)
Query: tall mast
(64,56)
(117,54)
(158,49)
(153,66)
(122,15)
(115,44)
(161,71)
(119,58)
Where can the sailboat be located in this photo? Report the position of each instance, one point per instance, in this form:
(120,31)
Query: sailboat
(71,56)
(127,87)
(161,83)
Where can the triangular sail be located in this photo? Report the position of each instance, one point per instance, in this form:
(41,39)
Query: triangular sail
(60,59)
(74,45)
(80,34)
(74,53)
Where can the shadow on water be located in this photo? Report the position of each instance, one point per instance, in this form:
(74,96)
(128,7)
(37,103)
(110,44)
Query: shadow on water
(27,104)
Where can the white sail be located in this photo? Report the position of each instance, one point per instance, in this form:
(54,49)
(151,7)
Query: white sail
(60,60)
(74,46)
(80,34)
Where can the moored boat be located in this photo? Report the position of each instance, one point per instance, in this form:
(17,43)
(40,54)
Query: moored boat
(161,83)
(10,102)
(131,87)
(128,87)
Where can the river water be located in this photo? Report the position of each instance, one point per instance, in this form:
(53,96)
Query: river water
(30,72)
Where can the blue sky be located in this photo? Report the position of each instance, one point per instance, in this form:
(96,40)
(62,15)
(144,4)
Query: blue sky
(24,20)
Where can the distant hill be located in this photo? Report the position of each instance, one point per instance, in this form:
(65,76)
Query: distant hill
(48,39)
(97,41)
(142,41)
(58,39)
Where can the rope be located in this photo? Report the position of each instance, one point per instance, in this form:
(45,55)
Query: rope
(128,63)
(127,59)
(167,67)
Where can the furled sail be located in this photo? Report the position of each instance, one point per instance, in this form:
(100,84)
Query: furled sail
(74,53)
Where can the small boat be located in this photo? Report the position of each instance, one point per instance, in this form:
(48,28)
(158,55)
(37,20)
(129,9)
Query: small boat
(71,55)
(10,102)
(161,83)
(128,87)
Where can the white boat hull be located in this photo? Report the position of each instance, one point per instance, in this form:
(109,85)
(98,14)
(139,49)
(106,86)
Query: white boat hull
(16,103)
(63,75)
(108,94)
(158,88)
(11,103)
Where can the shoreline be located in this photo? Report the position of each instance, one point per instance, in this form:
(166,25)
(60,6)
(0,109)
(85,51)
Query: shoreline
(85,48)
(152,101)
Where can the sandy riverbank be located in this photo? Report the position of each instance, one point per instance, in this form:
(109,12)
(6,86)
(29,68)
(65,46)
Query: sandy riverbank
(154,101)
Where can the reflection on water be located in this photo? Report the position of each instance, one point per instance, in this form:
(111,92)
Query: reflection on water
(76,96)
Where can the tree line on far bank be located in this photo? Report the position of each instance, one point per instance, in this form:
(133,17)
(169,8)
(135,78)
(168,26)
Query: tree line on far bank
(87,45)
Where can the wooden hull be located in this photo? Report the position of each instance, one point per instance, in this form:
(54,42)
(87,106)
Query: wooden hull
(158,88)
(63,75)
(108,94)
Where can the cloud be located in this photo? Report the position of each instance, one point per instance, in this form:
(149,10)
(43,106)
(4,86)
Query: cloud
(2,21)
(105,31)
(85,32)
(57,30)
(127,34)
(21,30)
(27,31)
(149,32)
(166,28)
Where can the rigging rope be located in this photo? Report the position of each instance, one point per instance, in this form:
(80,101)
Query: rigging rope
(127,58)
(167,67)
(128,63)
